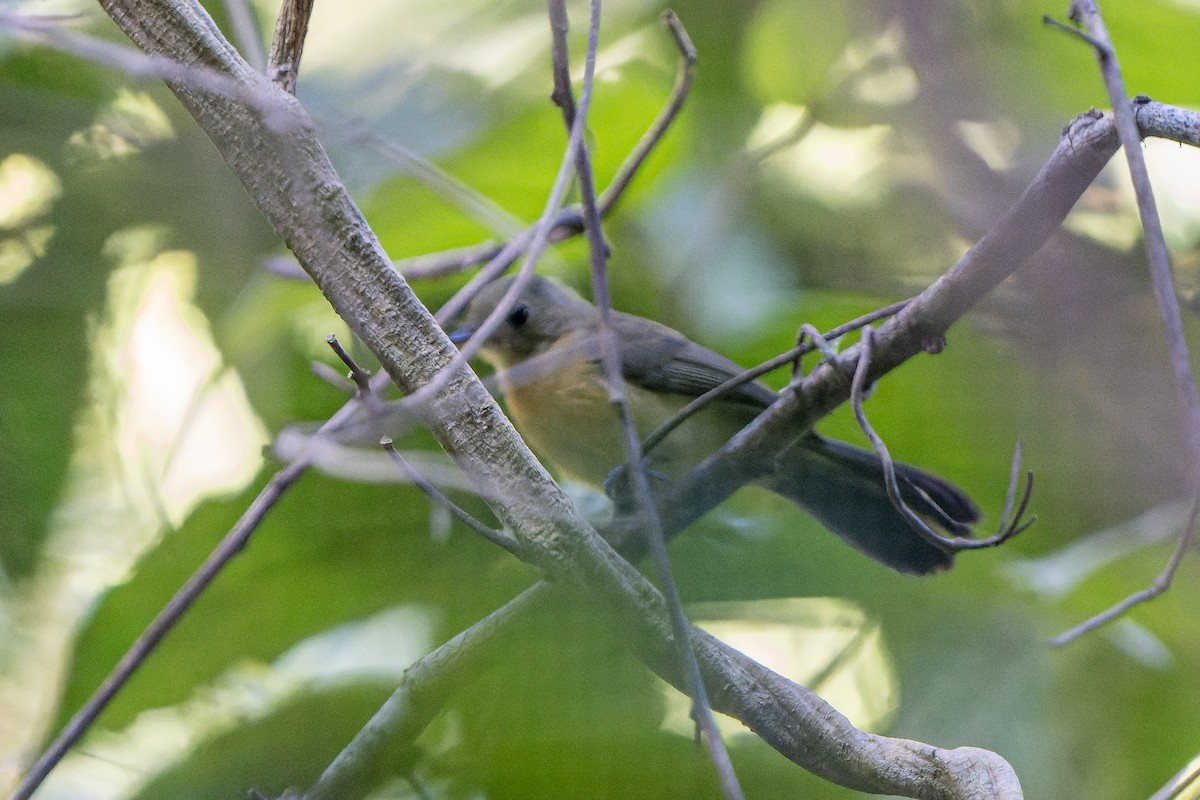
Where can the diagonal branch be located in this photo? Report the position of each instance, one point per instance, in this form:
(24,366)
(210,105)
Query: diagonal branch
(1125,113)
(273,148)
(611,357)
(276,154)
(1087,13)
(919,327)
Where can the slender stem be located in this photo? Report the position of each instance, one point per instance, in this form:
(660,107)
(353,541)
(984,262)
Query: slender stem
(1087,13)
(644,508)
(291,29)
(1160,585)
(162,624)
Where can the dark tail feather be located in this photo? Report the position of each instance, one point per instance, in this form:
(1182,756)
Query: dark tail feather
(842,487)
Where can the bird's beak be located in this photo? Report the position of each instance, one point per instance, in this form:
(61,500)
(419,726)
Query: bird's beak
(460,335)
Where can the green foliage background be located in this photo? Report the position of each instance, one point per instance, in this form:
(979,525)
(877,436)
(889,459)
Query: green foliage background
(734,248)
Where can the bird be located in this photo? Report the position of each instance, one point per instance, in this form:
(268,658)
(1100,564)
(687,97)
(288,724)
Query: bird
(547,356)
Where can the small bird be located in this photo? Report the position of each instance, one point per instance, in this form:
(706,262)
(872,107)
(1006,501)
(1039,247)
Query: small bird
(547,357)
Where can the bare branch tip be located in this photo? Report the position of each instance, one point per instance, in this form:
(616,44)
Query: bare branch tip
(360,376)
(682,39)
(1101,48)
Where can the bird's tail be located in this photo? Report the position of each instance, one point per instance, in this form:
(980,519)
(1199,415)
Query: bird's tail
(842,487)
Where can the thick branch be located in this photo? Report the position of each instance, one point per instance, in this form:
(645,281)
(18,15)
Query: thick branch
(794,721)
(270,143)
(1085,148)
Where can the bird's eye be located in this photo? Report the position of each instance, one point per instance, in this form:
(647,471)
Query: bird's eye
(518,316)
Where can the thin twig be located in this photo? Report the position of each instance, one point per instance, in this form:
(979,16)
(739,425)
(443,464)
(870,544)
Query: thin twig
(1014,475)
(473,203)
(291,29)
(684,77)
(1087,14)
(1073,31)
(1158,587)
(889,468)
(560,70)
(136,655)
(770,365)
(497,537)
(1010,521)
(788,138)
(842,657)
(611,358)
(1008,529)
(447,262)
(360,377)
(178,605)
(569,221)
(332,377)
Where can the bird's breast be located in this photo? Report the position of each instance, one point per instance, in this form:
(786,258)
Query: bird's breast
(567,417)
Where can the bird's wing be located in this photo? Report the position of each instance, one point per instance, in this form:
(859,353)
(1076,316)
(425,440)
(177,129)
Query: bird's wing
(660,359)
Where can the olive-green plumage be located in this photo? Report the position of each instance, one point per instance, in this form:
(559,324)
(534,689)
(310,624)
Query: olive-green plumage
(547,356)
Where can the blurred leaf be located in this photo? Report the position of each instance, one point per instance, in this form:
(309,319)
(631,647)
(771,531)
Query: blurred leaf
(295,579)
(789,50)
(37,398)
(288,748)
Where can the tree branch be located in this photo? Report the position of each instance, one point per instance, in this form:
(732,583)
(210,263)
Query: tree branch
(1087,13)
(270,143)
(919,327)
(273,148)
(291,29)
